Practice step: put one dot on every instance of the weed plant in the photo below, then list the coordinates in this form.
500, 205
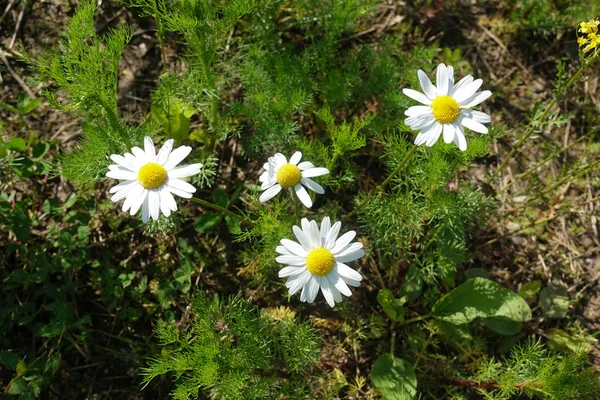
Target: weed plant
85, 284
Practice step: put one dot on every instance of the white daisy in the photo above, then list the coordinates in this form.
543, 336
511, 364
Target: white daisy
446, 108
318, 261
150, 178
279, 173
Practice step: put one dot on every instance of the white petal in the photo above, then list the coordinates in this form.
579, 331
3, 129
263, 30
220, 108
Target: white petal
441, 80
418, 96
305, 165
434, 134
283, 251
467, 91
179, 192
450, 74
123, 186
462, 83
164, 152
289, 271
448, 133
459, 138
332, 235
312, 172
149, 148
343, 241
426, 85
339, 284
165, 202
183, 172
279, 159
346, 272
145, 210
270, 193
132, 196
177, 156
154, 204
420, 139
312, 289
124, 162
122, 173
476, 99
424, 124
303, 237
137, 203
315, 235
312, 185
350, 255
181, 185
474, 125
291, 260
296, 282
325, 227
415, 111
480, 117
295, 158
140, 155
294, 247
121, 194
267, 184
337, 297
326, 289
303, 195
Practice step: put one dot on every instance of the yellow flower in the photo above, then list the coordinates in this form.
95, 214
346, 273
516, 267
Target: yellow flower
590, 38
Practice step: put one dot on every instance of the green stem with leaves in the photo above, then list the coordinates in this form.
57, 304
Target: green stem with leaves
220, 209
533, 125
385, 182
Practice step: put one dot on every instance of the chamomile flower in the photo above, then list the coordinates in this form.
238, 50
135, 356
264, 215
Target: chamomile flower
151, 179
446, 108
318, 261
279, 174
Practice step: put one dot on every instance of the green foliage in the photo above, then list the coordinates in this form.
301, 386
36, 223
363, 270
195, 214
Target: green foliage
530, 370
501, 309
86, 72
394, 378
232, 351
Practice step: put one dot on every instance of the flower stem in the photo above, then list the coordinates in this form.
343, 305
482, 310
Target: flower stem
385, 182
532, 126
416, 319
220, 209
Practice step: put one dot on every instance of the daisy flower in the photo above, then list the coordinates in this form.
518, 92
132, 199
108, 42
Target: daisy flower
279, 173
151, 179
446, 108
318, 261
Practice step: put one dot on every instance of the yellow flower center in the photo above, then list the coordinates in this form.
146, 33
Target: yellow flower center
288, 175
320, 261
152, 175
445, 109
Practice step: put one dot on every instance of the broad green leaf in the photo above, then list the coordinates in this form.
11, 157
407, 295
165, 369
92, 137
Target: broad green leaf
220, 197
503, 325
481, 298
562, 339
554, 301
40, 150
394, 378
412, 285
10, 359
17, 144
477, 273
207, 221
17, 385
530, 289
174, 118
392, 307
25, 104
455, 333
